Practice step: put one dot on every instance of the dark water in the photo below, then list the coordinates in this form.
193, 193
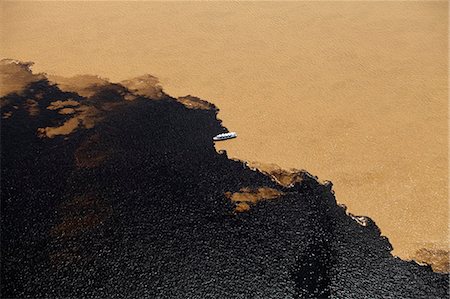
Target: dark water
135, 207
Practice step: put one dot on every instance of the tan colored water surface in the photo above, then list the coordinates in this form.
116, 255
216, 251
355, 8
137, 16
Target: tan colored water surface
353, 92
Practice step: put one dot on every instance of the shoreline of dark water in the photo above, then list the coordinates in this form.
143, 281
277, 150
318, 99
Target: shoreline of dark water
133, 203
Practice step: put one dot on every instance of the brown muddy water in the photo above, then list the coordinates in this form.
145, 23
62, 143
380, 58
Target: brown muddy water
353, 92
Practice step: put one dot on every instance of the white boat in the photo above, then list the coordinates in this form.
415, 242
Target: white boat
225, 136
